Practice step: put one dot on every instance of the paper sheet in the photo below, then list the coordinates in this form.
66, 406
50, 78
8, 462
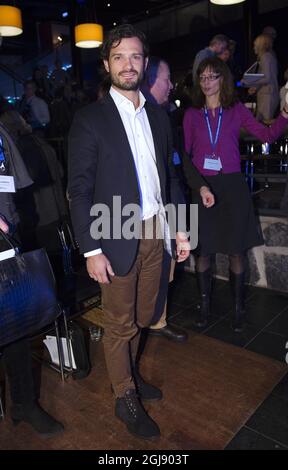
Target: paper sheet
51, 344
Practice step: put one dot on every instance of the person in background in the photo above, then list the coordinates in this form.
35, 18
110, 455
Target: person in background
45, 82
270, 31
34, 109
60, 115
217, 46
156, 88
228, 57
211, 130
59, 77
12, 120
17, 356
266, 87
284, 91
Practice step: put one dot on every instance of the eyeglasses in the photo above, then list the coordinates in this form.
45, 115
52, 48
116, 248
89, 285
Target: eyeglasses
210, 78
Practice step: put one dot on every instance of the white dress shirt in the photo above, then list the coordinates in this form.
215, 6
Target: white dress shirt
141, 142
39, 110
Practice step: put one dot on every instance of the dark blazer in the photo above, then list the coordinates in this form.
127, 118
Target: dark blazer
101, 165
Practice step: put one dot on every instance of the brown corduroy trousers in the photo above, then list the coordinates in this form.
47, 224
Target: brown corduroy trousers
128, 305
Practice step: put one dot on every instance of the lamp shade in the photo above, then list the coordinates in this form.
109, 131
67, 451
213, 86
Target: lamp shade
10, 21
226, 2
88, 35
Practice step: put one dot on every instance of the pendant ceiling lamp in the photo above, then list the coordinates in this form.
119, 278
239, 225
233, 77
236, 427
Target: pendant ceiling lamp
88, 35
226, 2
10, 21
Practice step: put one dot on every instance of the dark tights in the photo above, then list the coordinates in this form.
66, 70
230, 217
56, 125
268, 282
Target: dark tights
236, 263
18, 365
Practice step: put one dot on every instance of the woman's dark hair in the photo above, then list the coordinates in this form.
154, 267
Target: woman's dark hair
115, 36
227, 91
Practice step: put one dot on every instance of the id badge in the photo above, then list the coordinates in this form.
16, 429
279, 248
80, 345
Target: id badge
212, 163
7, 184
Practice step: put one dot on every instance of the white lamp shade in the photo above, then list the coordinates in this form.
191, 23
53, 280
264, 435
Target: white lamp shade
226, 2
88, 35
10, 21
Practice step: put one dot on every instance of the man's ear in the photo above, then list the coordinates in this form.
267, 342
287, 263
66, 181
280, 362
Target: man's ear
146, 63
106, 65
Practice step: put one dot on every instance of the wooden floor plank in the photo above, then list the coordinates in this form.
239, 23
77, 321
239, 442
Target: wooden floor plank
210, 389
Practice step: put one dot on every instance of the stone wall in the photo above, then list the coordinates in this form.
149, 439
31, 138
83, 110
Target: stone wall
267, 265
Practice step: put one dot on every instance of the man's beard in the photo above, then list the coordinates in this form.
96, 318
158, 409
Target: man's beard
129, 85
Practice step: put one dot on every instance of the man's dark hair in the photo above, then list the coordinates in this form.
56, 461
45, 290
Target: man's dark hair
227, 90
116, 35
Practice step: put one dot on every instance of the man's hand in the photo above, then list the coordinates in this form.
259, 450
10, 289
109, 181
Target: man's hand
182, 247
207, 197
99, 268
3, 226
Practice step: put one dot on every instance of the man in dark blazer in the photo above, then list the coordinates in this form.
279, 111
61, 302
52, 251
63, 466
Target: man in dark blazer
120, 149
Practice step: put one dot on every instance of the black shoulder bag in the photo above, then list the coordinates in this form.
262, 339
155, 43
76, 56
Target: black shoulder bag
28, 300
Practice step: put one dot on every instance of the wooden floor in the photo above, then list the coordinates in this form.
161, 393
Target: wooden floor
210, 390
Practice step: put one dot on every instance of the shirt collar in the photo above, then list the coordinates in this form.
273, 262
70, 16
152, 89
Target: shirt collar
122, 102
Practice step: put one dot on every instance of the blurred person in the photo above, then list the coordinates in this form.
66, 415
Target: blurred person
60, 115
217, 46
40, 77
270, 31
266, 87
59, 77
17, 356
12, 120
34, 109
225, 55
284, 91
46, 83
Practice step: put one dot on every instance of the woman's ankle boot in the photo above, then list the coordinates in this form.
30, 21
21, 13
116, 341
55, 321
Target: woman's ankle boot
239, 316
33, 414
204, 282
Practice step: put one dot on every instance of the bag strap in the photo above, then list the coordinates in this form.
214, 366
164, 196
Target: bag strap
10, 241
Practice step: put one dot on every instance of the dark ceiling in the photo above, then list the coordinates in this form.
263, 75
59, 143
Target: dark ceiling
79, 11
118, 11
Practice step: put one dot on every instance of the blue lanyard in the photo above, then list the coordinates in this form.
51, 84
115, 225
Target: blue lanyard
213, 142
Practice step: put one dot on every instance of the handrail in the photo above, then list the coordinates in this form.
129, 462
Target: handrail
12, 73
35, 60
261, 157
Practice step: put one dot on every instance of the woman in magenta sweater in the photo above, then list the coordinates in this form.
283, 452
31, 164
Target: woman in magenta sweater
211, 131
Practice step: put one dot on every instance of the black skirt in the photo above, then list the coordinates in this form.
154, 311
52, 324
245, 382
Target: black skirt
230, 226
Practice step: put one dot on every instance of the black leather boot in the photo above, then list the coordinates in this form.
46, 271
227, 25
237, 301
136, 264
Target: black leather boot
40, 421
204, 282
130, 411
145, 390
238, 284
